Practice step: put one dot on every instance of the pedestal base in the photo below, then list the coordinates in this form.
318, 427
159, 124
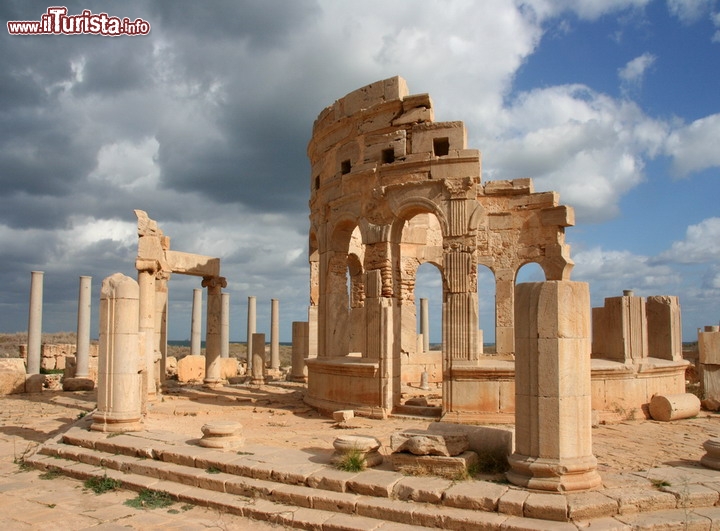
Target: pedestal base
556, 475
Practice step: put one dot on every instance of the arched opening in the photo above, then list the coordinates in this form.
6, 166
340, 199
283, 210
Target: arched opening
486, 310
421, 359
530, 272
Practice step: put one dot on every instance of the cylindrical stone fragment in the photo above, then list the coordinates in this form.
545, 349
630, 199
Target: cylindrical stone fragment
674, 407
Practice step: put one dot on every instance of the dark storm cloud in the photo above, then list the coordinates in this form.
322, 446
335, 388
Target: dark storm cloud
261, 24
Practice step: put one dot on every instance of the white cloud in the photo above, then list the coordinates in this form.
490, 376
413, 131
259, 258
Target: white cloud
632, 74
585, 9
716, 22
689, 11
701, 245
588, 146
695, 147
128, 165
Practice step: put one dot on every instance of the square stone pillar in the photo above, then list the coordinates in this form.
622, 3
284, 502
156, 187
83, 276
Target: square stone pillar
620, 329
709, 350
552, 381
664, 327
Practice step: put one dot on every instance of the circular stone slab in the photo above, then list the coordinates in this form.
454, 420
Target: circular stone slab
360, 443
221, 428
712, 458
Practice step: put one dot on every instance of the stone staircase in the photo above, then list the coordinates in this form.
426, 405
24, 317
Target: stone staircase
299, 489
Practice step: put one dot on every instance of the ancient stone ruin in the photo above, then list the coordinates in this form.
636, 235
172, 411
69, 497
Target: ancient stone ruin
392, 189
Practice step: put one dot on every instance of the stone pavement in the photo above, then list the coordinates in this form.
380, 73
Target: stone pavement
650, 472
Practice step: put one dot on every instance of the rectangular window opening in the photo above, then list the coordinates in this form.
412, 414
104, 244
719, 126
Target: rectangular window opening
441, 146
388, 156
345, 167
317, 182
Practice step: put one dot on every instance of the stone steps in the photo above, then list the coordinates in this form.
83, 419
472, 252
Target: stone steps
298, 489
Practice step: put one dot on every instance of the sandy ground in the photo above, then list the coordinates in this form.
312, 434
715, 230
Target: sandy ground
274, 415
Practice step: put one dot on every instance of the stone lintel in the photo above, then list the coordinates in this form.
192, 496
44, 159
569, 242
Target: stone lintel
193, 264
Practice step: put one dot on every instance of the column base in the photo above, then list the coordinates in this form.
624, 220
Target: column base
108, 424
213, 383
556, 475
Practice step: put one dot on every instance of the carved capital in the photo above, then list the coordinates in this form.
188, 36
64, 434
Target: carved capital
214, 282
145, 265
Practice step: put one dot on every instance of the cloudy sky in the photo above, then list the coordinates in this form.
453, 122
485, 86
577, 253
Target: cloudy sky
204, 122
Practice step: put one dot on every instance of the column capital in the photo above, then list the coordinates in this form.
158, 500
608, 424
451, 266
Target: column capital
145, 265
214, 282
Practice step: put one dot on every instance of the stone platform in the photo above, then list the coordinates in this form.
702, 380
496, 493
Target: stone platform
283, 473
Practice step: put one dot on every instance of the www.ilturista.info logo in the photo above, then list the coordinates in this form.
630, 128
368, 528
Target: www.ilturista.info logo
57, 22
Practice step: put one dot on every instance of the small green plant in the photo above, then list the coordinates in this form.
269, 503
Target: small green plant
19, 460
352, 461
51, 473
490, 463
187, 507
213, 470
81, 414
657, 483
103, 484
150, 499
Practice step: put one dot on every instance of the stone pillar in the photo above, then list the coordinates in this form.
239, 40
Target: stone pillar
119, 382
214, 287
620, 329
664, 327
258, 356
147, 270
160, 340
300, 331
425, 324
251, 329
35, 322
460, 309
312, 332
709, 351
196, 323
82, 356
505, 312
552, 388
225, 325
274, 334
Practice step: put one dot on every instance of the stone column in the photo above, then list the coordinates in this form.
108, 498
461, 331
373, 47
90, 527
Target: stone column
274, 334
119, 382
425, 324
196, 323
82, 356
258, 355
160, 339
300, 343
504, 312
35, 322
552, 388
251, 329
312, 332
213, 374
147, 269
225, 325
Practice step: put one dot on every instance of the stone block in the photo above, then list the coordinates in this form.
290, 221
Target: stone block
709, 347
191, 368
222, 435
447, 467
12, 376
419, 442
343, 415
228, 368
78, 384
34, 383
546, 507
365, 446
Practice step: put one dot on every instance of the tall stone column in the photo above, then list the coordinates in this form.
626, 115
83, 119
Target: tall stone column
147, 270
251, 329
160, 339
82, 356
119, 382
274, 334
425, 324
196, 323
225, 325
300, 343
214, 287
35, 322
552, 388
258, 355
